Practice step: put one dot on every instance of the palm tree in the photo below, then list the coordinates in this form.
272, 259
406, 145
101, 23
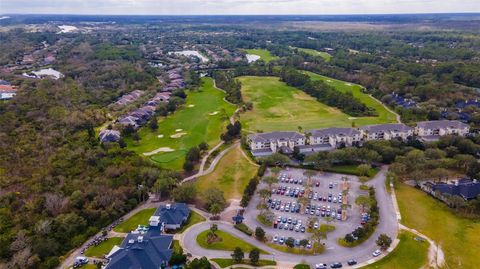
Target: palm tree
264, 194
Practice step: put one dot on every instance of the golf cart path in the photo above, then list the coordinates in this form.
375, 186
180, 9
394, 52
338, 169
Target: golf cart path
399, 120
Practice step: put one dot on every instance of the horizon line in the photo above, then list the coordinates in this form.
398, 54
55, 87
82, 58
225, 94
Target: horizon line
266, 14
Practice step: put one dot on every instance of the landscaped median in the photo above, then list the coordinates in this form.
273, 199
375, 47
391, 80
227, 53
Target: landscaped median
229, 262
315, 250
223, 241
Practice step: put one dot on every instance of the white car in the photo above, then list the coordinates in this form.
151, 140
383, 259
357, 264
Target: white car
275, 238
321, 266
376, 253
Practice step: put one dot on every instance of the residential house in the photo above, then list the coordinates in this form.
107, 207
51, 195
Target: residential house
142, 250
7, 91
264, 144
334, 137
171, 216
386, 131
432, 130
465, 188
107, 135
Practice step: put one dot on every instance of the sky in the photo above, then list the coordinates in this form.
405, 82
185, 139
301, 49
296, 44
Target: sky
236, 7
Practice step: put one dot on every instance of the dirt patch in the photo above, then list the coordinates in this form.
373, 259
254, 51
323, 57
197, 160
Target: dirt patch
164, 149
178, 135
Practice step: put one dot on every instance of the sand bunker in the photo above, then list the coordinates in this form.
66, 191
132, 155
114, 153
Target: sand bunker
178, 135
328, 80
160, 136
164, 149
352, 118
348, 84
191, 105
213, 113
178, 130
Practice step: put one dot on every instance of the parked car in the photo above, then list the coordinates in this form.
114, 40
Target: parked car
336, 265
275, 238
376, 253
320, 266
351, 262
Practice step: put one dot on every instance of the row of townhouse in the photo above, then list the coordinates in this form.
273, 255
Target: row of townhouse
264, 144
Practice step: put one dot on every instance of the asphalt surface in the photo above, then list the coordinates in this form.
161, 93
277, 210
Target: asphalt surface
333, 253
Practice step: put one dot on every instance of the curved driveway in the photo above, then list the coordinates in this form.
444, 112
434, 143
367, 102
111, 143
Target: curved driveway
333, 253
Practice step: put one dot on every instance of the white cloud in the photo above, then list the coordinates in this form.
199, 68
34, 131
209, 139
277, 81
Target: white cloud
187, 7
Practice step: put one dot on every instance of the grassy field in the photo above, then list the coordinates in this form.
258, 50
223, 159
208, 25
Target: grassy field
103, 248
313, 52
202, 118
458, 237
231, 175
140, 218
409, 253
277, 107
193, 219
228, 242
265, 55
384, 116
229, 262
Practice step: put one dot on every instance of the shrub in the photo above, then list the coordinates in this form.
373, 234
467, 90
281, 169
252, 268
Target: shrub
244, 229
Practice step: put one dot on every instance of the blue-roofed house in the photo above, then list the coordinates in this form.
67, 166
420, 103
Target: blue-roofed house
465, 188
172, 216
141, 251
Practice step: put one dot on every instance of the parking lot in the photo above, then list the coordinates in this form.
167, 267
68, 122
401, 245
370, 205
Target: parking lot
328, 198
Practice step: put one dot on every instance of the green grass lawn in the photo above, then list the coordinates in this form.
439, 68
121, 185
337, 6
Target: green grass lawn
140, 218
231, 175
265, 55
409, 253
193, 219
458, 237
277, 107
103, 248
202, 118
351, 170
298, 251
229, 262
228, 242
313, 52
384, 116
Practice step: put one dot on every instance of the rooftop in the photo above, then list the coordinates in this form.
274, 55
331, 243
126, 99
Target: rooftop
272, 136
436, 124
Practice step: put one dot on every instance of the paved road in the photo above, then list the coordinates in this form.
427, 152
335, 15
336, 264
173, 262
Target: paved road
333, 253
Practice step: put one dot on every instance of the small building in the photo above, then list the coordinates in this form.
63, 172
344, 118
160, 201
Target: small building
432, 130
171, 216
7, 91
334, 137
142, 250
264, 144
107, 135
386, 131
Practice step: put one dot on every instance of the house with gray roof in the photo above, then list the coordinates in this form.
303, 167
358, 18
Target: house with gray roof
264, 144
432, 130
386, 131
170, 216
107, 135
142, 250
334, 137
